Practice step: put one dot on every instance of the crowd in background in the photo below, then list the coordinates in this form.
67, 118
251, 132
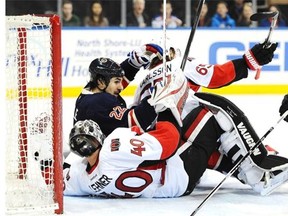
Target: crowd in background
148, 13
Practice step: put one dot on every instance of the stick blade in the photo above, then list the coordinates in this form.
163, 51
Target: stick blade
263, 15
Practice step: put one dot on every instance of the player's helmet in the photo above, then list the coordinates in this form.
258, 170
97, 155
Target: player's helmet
104, 68
85, 138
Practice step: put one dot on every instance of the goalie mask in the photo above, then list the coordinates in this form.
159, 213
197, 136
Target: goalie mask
85, 138
105, 69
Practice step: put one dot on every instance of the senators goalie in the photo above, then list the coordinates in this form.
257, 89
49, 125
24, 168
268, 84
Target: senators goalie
211, 120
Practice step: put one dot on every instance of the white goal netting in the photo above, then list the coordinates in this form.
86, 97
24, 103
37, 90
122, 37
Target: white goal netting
32, 152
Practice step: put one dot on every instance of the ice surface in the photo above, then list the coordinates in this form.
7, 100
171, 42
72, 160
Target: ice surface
231, 199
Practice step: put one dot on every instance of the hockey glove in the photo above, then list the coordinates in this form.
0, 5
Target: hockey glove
258, 55
284, 107
143, 55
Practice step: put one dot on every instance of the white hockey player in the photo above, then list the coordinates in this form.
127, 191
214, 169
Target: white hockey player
129, 163
212, 121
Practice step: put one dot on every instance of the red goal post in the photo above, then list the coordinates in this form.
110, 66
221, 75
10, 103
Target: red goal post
33, 175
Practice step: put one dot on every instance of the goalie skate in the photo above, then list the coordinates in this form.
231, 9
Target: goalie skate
171, 95
264, 170
272, 179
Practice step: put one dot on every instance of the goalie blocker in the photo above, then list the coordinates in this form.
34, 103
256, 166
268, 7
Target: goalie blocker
262, 171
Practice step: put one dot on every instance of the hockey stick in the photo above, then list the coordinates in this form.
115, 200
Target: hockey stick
265, 15
192, 33
164, 42
237, 165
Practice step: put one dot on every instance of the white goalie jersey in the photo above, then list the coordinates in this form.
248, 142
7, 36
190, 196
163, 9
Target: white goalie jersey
130, 165
198, 75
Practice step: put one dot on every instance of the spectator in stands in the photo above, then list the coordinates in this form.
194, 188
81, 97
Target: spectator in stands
204, 19
96, 17
236, 8
137, 17
68, 17
244, 18
280, 20
172, 21
221, 18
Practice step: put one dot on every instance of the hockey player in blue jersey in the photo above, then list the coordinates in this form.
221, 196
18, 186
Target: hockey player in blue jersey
100, 100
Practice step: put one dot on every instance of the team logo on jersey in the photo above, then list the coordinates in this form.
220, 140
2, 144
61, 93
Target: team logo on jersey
117, 112
115, 144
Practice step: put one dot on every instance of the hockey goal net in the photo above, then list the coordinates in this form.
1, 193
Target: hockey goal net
33, 115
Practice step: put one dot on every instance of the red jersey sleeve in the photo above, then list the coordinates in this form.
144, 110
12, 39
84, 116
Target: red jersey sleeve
168, 136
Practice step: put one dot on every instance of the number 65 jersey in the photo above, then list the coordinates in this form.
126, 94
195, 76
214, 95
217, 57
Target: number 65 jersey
131, 164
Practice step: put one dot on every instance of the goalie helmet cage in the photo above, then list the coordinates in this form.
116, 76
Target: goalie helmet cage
34, 177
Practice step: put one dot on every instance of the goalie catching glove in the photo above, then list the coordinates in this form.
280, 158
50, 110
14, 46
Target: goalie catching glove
171, 95
143, 55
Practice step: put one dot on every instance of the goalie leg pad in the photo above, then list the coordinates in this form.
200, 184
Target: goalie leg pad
224, 122
264, 178
222, 108
262, 171
270, 179
231, 145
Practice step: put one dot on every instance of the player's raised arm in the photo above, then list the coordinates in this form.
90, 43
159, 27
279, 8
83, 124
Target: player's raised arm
219, 75
136, 59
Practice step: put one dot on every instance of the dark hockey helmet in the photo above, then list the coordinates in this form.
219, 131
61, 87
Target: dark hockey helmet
85, 138
104, 68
